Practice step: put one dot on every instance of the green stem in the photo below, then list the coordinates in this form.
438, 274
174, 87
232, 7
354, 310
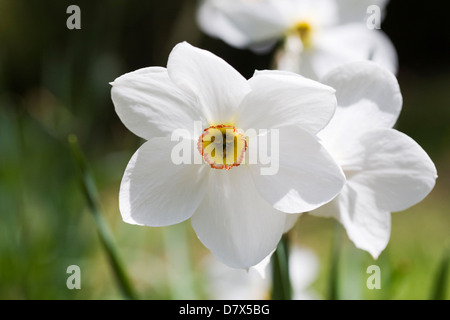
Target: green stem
333, 290
106, 238
441, 278
281, 282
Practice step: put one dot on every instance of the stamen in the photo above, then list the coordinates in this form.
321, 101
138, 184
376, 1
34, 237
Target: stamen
222, 146
304, 31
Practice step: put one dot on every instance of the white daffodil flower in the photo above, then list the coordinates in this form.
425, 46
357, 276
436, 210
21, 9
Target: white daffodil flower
316, 35
225, 283
386, 170
236, 210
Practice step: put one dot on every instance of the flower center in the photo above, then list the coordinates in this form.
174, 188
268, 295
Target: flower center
304, 31
222, 146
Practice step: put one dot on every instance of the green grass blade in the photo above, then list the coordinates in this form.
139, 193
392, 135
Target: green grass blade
439, 290
281, 283
90, 192
333, 283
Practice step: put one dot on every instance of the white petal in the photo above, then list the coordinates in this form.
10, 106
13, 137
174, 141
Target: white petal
263, 267
394, 173
241, 23
335, 46
281, 99
368, 98
150, 105
352, 42
291, 220
323, 13
356, 10
218, 87
234, 222
307, 177
398, 170
367, 226
156, 192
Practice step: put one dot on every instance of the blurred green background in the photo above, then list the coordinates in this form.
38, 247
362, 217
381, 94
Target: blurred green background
54, 82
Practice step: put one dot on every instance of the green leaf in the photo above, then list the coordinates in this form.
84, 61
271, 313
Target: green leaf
281, 282
91, 194
333, 287
439, 289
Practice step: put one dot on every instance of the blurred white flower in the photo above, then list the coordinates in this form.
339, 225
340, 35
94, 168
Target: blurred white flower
316, 35
224, 283
386, 170
236, 212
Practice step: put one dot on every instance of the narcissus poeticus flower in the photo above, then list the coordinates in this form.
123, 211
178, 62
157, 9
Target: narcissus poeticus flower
199, 107
386, 170
315, 35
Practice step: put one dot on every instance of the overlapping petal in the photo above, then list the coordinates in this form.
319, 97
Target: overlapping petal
291, 220
368, 97
234, 222
281, 99
392, 173
307, 177
398, 170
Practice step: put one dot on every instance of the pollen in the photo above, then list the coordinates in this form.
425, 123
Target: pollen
222, 146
